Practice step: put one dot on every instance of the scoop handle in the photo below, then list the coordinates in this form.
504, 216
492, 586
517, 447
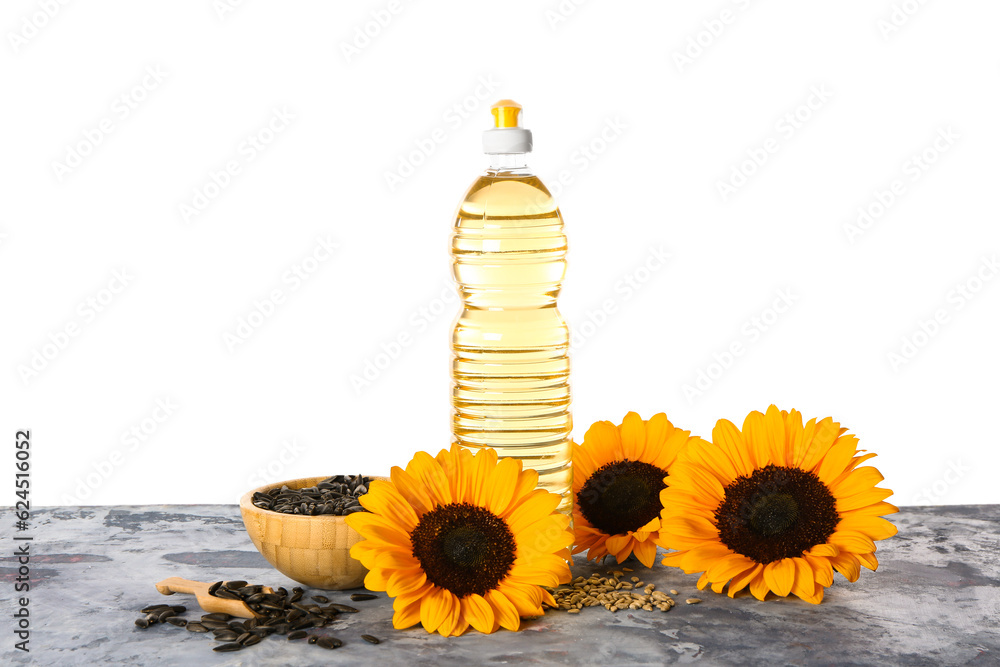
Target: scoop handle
178, 585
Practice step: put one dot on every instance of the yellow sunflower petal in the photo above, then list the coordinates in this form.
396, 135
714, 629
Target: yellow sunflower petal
743, 579
412, 596
453, 620
545, 536
804, 586
816, 597
506, 612
673, 559
396, 559
852, 541
728, 438
535, 575
435, 607
410, 489
725, 568
537, 505
702, 556
755, 437
829, 550
483, 464
780, 576
685, 531
617, 544
427, 471
526, 599
874, 527
863, 499
858, 481
848, 565
605, 436
817, 439
527, 480
658, 429
837, 459
714, 460
502, 485
822, 570
875, 509
406, 617
376, 580
478, 612
868, 560
633, 437
699, 482
645, 552
793, 437
774, 434
402, 582
675, 445
583, 466
383, 498
759, 587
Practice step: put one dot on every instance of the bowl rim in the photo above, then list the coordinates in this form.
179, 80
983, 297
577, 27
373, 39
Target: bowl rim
246, 500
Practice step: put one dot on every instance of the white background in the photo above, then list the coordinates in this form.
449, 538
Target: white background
641, 124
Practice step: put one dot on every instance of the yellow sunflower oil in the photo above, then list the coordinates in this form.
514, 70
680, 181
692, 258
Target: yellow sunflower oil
510, 365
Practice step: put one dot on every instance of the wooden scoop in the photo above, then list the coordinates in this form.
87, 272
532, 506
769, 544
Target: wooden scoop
209, 603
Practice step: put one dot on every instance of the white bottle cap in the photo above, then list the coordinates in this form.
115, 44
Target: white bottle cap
507, 135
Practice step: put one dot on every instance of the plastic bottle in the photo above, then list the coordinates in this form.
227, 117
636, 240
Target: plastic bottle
511, 364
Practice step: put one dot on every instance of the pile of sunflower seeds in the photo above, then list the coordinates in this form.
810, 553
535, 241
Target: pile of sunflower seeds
281, 613
612, 592
337, 495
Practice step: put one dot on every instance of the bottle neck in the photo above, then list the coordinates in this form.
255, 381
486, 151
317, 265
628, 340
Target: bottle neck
508, 161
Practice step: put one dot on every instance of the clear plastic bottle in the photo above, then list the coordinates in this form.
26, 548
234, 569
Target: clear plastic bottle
510, 344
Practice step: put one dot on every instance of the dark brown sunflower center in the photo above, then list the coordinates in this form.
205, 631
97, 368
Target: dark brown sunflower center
464, 548
776, 513
622, 496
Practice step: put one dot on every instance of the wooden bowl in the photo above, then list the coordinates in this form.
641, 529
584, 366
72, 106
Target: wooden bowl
313, 550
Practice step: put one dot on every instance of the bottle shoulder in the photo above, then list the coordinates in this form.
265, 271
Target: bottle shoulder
508, 195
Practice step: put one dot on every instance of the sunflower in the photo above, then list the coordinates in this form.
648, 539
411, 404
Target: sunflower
775, 507
462, 540
618, 474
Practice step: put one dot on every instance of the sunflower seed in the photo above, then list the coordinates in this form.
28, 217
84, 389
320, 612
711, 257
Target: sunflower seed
329, 643
215, 625
370, 639
226, 648
693, 600
359, 597
165, 614
235, 585
214, 587
142, 622
242, 638
334, 495
674, 592
322, 598
344, 608
179, 622
216, 616
253, 639
196, 627
154, 607
298, 634
226, 636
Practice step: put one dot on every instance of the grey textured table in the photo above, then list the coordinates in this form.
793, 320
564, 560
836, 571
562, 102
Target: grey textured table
934, 601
